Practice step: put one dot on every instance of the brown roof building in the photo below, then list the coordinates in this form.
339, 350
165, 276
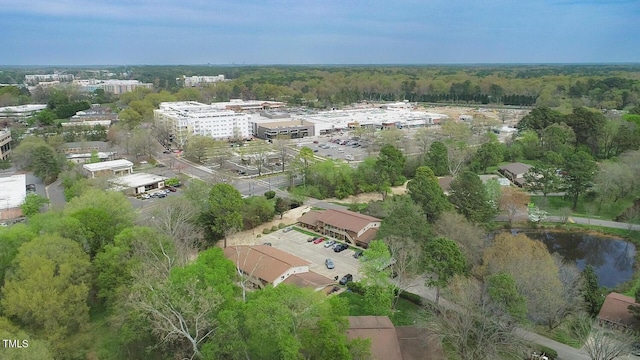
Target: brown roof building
515, 172
264, 265
345, 225
615, 311
394, 343
445, 183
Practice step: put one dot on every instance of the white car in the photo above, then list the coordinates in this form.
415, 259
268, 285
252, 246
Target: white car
329, 243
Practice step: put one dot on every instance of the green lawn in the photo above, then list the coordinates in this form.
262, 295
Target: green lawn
587, 209
406, 313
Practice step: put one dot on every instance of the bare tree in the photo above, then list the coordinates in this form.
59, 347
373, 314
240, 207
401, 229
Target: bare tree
457, 156
607, 343
282, 144
177, 221
513, 200
470, 238
407, 255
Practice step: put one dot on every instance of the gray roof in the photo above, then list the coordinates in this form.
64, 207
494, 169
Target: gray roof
516, 168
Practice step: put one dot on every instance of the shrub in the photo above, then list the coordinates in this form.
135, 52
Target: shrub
258, 236
281, 225
266, 231
414, 298
270, 194
356, 287
274, 228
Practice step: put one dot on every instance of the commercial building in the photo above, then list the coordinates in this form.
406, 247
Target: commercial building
250, 105
13, 191
192, 81
83, 158
116, 87
38, 78
187, 118
5, 144
21, 112
92, 117
293, 129
353, 227
109, 168
135, 184
264, 265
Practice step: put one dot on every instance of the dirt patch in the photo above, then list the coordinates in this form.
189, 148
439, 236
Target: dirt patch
368, 197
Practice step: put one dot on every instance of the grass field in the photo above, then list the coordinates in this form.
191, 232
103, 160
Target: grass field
406, 312
588, 209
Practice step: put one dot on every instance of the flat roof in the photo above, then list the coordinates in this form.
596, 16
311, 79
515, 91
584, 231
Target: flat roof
13, 190
108, 165
136, 180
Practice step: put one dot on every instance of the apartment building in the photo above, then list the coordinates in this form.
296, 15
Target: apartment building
192, 81
187, 118
5, 144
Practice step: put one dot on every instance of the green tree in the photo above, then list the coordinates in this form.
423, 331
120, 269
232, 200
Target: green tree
94, 157
11, 238
376, 270
102, 215
48, 290
539, 118
390, 164
437, 159
306, 156
588, 126
36, 349
225, 210
489, 154
543, 178
198, 148
581, 169
404, 218
32, 204
593, 295
442, 260
505, 297
558, 138
425, 191
469, 196
45, 163
281, 206
257, 208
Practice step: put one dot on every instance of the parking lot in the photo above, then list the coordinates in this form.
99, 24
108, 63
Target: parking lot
332, 150
295, 242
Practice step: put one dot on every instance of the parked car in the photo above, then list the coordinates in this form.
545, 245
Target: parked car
329, 243
345, 279
162, 195
340, 248
172, 189
267, 243
31, 187
311, 239
318, 241
358, 253
287, 229
329, 264
166, 152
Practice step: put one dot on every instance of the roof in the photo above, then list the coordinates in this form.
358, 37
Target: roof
309, 279
136, 180
384, 340
310, 217
418, 343
368, 235
13, 190
108, 165
286, 124
262, 261
86, 145
345, 219
615, 309
516, 168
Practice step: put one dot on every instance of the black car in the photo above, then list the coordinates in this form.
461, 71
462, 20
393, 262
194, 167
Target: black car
340, 248
345, 279
358, 253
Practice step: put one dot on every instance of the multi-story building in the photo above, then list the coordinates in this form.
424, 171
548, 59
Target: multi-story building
180, 120
20, 112
191, 81
5, 144
122, 86
38, 78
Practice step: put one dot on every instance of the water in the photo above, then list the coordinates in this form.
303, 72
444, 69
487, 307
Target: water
611, 258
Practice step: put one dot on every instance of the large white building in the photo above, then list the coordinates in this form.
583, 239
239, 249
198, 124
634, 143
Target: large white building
187, 118
21, 112
116, 87
13, 191
38, 78
191, 81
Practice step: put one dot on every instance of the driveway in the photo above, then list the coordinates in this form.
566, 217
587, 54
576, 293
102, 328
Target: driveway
295, 243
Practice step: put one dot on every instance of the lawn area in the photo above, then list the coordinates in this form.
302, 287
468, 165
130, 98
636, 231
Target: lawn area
586, 209
406, 313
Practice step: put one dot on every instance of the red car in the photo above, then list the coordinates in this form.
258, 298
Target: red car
318, 240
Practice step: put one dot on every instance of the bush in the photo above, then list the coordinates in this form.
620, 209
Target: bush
270, 194
258, 236
356, 287
281, 225
274, 228
540, 349
266, 231
414, 298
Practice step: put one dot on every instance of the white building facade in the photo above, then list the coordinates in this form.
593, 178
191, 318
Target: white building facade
187, 118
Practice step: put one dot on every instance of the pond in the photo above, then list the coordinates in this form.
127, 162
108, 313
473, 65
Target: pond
612, 258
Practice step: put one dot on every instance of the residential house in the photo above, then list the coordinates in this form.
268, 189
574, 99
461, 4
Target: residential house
445, 183
397, 343
515, 172
349, 226
264, 265
615, 311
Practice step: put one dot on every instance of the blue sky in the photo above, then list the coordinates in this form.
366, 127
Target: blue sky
87, 32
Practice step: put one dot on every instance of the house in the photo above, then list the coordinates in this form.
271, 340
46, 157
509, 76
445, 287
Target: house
615, 311
109, 168
515, 172
445, 183
265, 265
390, 342
349, 226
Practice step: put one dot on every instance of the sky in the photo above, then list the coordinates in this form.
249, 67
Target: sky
222, 32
